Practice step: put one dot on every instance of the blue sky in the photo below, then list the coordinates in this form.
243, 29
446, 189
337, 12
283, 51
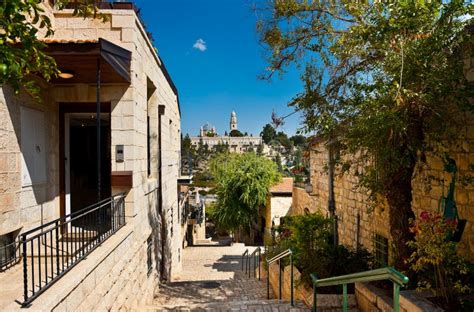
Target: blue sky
220, 73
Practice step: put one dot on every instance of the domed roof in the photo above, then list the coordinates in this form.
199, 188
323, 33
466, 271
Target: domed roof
207, 126
233, 114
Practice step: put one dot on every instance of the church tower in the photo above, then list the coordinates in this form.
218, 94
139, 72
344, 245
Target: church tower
233, 121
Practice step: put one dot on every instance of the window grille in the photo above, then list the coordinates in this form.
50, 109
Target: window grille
380, 250
9, 251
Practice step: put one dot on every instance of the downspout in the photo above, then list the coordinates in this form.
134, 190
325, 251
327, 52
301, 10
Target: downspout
163, 273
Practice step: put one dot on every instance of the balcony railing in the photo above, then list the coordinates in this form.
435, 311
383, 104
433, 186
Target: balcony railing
52, 249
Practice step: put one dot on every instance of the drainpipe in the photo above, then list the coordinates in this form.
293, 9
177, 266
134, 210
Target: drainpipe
163, 273
99, 173
331, 201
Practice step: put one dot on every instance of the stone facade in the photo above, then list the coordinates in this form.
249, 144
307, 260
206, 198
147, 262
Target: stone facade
235, 144
115, 275
358, 221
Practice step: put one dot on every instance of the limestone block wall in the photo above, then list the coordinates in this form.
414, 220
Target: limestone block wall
301, 201
358, 220
24, 207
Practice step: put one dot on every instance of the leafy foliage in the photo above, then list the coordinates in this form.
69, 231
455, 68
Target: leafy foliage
383, 78
434, 259
236, 133
310, 239
22, 56
242, 184
268, 133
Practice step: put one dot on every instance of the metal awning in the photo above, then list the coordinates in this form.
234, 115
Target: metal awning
80, 57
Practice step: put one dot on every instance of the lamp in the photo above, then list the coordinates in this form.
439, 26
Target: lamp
66, 74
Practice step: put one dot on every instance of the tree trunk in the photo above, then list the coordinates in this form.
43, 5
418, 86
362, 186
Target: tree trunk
399, 199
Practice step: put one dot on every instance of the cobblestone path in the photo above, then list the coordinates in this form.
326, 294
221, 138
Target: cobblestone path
212, 280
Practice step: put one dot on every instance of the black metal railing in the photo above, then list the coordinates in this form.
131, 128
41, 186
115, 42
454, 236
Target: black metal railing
245, 256
248, 259
52, 249
196, 213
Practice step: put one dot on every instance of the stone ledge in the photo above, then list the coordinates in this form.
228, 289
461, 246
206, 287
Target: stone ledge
371, 298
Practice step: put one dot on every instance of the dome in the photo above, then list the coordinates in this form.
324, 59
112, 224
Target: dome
207, 126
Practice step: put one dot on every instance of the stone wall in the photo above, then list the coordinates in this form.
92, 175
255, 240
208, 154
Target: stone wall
373, 299
358, 220
302, 201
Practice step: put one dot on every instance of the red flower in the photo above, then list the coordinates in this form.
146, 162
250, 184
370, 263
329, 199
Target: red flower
425, 215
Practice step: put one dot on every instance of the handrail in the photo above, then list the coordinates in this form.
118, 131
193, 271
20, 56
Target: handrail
278, 258
280, 255
387, 273
246, 252
256, 260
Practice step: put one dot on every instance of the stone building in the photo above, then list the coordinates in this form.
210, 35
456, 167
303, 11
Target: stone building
82, 227
278, 203
359, 223
236, 144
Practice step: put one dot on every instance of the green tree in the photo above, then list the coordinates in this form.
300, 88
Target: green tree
298, 140
268, 133
236, 133
186, 146
384, 79
284, 140
242, 185
22, 54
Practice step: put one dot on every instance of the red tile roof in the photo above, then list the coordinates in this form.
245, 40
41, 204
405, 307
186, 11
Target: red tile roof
284, 187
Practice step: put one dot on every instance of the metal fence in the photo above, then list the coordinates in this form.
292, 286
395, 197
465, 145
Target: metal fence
52, 249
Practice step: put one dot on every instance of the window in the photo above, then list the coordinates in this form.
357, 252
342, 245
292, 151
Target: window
380, 250
148, 146
8, 250
32, 147
149, 254
151, 126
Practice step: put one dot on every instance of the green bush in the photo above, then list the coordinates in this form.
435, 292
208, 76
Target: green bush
310, 238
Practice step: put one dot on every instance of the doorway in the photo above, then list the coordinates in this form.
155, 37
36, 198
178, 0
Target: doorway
79, 154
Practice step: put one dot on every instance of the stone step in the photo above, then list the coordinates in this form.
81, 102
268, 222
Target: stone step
241, 305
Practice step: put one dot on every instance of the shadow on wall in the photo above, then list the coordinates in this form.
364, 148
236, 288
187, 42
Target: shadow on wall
161, 253
34, 126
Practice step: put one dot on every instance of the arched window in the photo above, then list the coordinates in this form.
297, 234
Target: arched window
306, 211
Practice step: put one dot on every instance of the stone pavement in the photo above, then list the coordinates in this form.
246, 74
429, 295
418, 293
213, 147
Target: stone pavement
212, 280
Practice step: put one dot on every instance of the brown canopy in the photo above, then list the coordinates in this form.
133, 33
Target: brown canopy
80, 57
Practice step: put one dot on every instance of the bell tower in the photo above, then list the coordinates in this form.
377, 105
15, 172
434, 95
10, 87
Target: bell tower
233, 121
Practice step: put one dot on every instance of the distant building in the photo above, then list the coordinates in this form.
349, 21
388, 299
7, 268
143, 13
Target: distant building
237, 144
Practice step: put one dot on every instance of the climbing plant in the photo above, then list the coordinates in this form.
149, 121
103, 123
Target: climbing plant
383, 78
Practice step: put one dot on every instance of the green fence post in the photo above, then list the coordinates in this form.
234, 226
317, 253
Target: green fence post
396, 297
291, 270
279, 277
344, 297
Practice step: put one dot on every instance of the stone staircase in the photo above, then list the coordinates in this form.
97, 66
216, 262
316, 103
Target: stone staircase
212, 280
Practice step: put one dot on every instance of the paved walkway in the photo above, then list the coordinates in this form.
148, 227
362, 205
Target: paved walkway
212, 280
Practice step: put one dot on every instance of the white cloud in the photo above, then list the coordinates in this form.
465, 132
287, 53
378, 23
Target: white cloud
200, 45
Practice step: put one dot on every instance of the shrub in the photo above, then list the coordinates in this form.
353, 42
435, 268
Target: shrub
434, 260
310, 238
